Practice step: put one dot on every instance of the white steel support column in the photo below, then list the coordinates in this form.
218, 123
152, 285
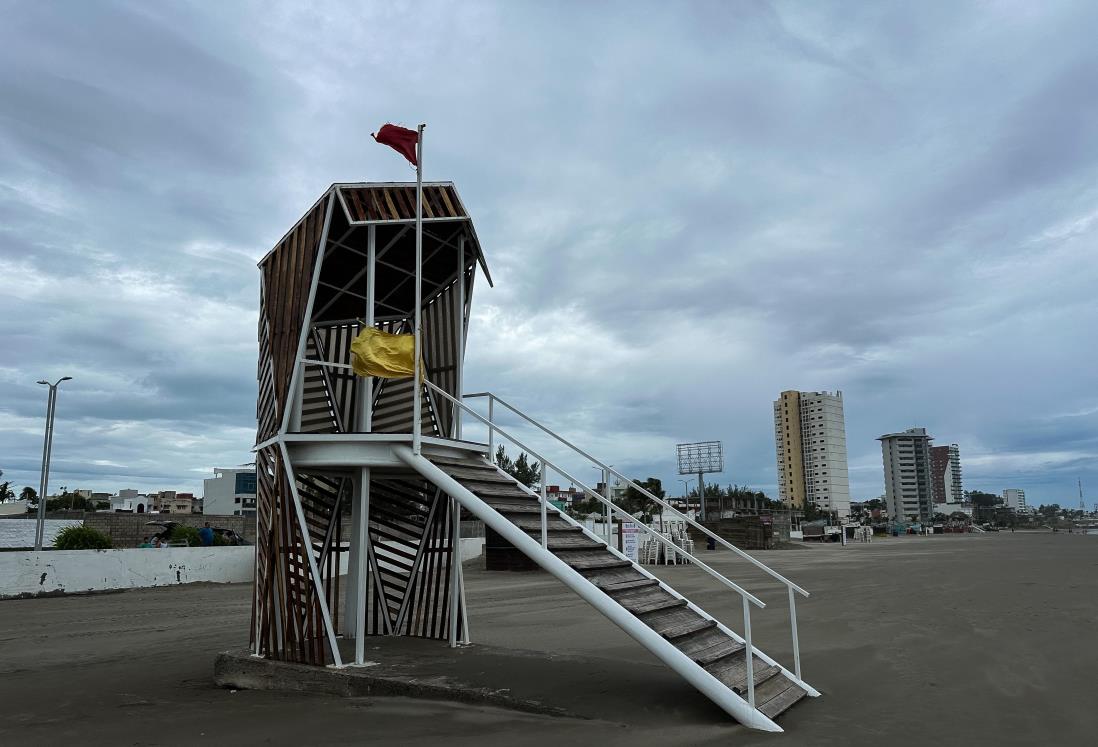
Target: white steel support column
354, 614
459, 336
456, 595
352, 600
367, 408
362, 534
417, 377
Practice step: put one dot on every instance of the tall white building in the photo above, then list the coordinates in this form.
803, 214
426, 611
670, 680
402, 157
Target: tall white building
230, 492
810, 442
1014, 498
907, 474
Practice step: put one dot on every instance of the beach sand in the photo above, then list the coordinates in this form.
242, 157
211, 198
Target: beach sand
975, 639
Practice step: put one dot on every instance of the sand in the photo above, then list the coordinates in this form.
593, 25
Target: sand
979, 639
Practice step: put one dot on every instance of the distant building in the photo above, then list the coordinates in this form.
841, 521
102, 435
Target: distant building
945, 474
171, 502
810, 443
132, 501
230, 492
907, 474
1015, 498
555, 493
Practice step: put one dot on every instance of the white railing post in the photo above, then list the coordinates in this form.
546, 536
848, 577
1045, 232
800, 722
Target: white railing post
750, 653
609, 523
491, 430
544, 511
796, 641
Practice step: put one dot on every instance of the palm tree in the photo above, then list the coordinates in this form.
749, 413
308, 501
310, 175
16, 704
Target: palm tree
29, 494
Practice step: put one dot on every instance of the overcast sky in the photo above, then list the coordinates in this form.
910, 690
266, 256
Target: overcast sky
686, 207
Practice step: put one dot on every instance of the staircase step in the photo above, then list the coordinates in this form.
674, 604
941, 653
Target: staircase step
487, 474
595, 561
640, 604
639, 583
725, 649
761, 676
767, 690
467, 462
603, 576
691, 626
485, 489
568, 541
732, 669
554, 523
516, 508
782, 702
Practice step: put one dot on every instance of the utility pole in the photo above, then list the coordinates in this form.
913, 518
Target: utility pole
47, 449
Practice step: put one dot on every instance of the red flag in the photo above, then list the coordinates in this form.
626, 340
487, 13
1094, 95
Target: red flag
400, 139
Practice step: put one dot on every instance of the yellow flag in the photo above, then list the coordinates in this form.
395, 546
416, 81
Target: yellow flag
377, 353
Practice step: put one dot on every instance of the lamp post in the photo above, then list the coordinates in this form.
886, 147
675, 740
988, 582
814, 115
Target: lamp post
47, 448
686, 489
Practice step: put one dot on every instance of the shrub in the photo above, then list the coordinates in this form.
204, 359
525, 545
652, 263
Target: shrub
189, 535
81, 538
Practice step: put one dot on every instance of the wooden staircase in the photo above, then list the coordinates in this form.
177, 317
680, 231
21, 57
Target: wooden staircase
646, 598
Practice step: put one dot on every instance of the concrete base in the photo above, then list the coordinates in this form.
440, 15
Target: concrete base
528, 681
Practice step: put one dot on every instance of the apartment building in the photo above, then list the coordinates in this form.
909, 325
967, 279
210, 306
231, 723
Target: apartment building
907, 473
230, 492
1015, 498
810, 444
945, 474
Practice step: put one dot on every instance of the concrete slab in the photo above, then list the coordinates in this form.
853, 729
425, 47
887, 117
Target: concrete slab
528, 681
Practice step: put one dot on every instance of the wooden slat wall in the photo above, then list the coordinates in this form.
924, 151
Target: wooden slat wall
398, 202
407, 518
286, 604
287, 277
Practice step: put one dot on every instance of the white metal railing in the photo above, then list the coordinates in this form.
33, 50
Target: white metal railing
747, 597
791, 587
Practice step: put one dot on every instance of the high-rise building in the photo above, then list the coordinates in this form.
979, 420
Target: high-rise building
810, 441
907, 473
1014, 498
230, 492
945, 474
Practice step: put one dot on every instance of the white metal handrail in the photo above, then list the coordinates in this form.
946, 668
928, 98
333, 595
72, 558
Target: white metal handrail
747, 597
790, 586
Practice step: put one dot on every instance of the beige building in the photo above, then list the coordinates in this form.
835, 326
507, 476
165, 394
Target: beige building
810, 443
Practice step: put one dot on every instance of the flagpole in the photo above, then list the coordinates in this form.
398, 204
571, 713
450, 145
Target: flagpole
417, 401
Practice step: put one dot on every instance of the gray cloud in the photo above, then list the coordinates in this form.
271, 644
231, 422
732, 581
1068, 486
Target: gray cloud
687, 209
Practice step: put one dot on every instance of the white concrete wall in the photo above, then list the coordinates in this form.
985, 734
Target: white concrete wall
67, 571
471, 548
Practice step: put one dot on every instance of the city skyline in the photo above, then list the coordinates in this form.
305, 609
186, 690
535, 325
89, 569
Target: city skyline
762, 200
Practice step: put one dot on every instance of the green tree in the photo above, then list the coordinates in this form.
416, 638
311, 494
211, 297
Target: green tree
520, 469
29, 494
636, 502
983, 500
6, 493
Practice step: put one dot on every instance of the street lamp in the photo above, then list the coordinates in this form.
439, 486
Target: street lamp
47, 448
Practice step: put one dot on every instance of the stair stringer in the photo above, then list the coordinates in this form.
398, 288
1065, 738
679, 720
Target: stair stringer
809, 690
661, 648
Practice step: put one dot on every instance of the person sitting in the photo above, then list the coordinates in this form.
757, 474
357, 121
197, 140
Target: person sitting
206, 535
145, 543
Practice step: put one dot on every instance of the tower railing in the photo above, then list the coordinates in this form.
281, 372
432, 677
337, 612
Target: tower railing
612, 508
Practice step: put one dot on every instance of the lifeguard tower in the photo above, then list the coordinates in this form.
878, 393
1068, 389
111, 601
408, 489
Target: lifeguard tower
333, 447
